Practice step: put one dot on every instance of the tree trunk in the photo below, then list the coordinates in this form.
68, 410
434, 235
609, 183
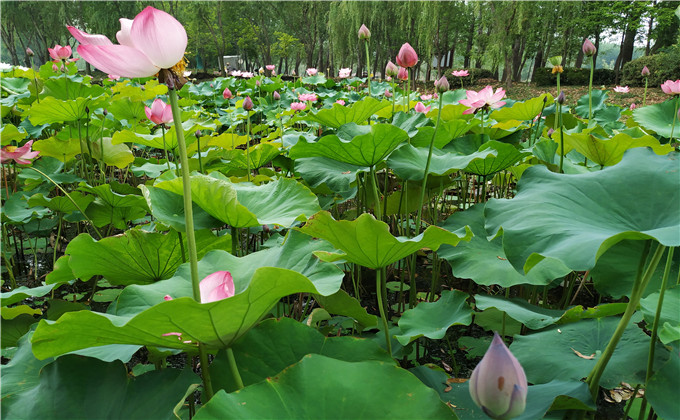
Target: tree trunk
468, 46
597, 47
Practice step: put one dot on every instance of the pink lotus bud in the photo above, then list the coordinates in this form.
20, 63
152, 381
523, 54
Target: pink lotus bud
247, 103
588, 48
364, 33
217, 286
422, 108
633, 106
55, 68
388, 94
270, 67
167, 297
407, 56
276, 95
670, 87
561, 98
212, 86
340, 101
227, 94
258, 83
498, 384
550, 131
402, 74
391, 69
442, 85
29, 52
645, 71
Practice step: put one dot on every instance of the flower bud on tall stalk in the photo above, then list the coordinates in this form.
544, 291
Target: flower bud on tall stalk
645, 74
589, 50
365, 35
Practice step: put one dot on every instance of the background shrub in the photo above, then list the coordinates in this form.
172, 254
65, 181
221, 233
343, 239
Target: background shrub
475, 74
573, 76
662, 66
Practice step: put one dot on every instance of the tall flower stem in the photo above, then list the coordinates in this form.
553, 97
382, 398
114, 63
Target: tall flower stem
165, 148
641, 282
374, 191
408, 89
248, 147
590, 90
675, 117
368, 69
234, 368
644, 96
379, 282
559, 122
427, 167
189, 222
394, 96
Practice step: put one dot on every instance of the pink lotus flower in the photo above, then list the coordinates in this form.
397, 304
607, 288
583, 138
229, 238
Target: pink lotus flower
60, 53
460, 73
22, 155
622, 89
227, 94
485, 98
588, 48
344, 73
407, 56
670, 87
402, 74
364, 33
152, 41
422, 108
633, 106
247, 103
388, 94
236, 73
307, 97
159, 113
645, 71
340, 101
55, 68
391, 70
247, 74
298, 106
425, 97
167, 298
498, 384
270, 67
113, 77
217, 286
312, 71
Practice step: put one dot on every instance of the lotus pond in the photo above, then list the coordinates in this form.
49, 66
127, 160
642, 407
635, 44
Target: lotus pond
320, 247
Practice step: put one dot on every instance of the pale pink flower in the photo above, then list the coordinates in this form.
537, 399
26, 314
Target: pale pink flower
426, 97
152, 41
236, 73
113, 77
402, 74
621, 89
159, 113
340, 101
422, 108
167, 298
460, 73
312, 71
217, 286
60, 53
298, 106
407, 56
670, 87
633, 106
364, 33
270, 67
22, 155
247, 74
226, 94
344, 73
391, 70
484, 98
388, 94
307, 97
55, 68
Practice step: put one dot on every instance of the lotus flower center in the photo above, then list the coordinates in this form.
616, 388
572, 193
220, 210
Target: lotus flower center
11, 149
179, 68
501, 381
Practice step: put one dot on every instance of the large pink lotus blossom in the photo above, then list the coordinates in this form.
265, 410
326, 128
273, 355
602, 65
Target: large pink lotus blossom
22, 155
236, 73
344, 73
387, 93
270, 67
312, 71
217, 286
159, 113
298, 106
621, 89
422, 108
59, 53
152, 41
670, 87
460, 73
498, 384
247, 74
307, 97
485, 98
426, 97
407, 56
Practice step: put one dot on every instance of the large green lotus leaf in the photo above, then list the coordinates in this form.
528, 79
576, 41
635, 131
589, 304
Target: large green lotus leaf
115, 204
338, 115
70, 88
168, 208
506, 155
125, 109
657, 117
13, 329
484, 260
21, 373
9, 133
552, 353
150, 90
371, 146
338, 176
217, 324
534, 317
432, 319
23, 292
73, 387
260, 155
51, 110
136, 256
368, 390
281, 202
115, 194
340, 303
447, 131
118, 155
411, 123
662, 388
156, 139
64, 150
669, 309
614, 272
226, 141
274, 345
541, 398
576, 218
599, 99
62, 204
409, 162
610, 151
368, 242
523, 111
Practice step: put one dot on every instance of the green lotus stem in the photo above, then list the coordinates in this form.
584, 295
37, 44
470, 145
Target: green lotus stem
394, 96
233, 367
56, 240
641, 282
379, 284
368, 68
482, 121
248, 147
376, 195
644, 95
559, 118
165, 149
655, 324
675, 117
558, 83
408, 89
427, 168
590, 90
200, 162
189, 222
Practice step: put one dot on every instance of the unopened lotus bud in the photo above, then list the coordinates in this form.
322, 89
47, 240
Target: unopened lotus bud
248, 103
588, 48
105, 112
87, 110
167, 298
276, 95
555, 60
407, 56
29, 52
391, 70
227, 94
403, 74
561, 98
198, 134
441, 85
364, 33
550, 132
645, 71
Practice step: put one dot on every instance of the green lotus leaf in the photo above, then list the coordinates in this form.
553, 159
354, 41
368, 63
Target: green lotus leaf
608, 152
368, 390
359, 112
657, 117
118, 155
369, 146
150, 90
9, 133
411, 123
23, 292
136, 256
569, 217
599, 101
70, 88
506, 155
661, 388
280, 202
62, 204
368, 242
125, 109
64, 150
338, 176
260, 155
226, 141
340, 303
52, 110
523, 111
534, 317
75, 387
669, 310
168, 208
432, 319
274, 345
448, 130
409, 162
571, 351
